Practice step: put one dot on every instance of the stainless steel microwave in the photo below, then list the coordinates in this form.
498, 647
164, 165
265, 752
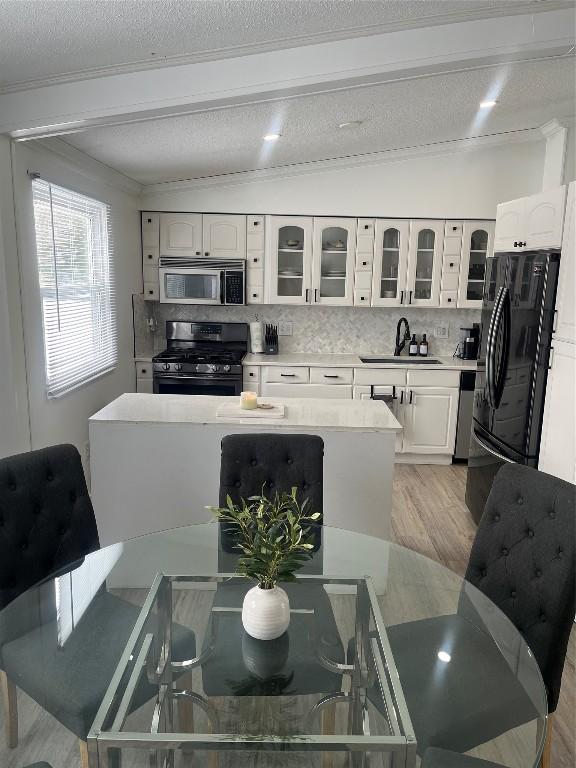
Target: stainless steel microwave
201, 281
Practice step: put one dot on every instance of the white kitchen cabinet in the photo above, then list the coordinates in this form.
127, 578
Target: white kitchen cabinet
150, 252
565, 325
425, 263
223, 236
531, 222
144, 376
394, 398
319, 391
333, 261
558, 444
429, 419
255, 257
477, 245
289, 259
390, 262
364, 263
181, 234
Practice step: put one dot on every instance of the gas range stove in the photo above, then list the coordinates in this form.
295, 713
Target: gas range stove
186, 361
201, 358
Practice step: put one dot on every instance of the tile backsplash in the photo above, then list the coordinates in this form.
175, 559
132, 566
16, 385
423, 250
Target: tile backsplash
369, 330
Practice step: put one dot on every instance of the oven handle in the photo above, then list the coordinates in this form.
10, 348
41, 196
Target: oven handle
199, 377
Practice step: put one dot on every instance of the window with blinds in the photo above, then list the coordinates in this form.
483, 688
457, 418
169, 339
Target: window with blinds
75, 266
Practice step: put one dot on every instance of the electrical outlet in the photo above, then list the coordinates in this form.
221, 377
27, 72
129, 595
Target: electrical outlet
441, 332
285, 328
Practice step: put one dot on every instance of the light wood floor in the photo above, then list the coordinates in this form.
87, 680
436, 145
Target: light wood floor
430, 517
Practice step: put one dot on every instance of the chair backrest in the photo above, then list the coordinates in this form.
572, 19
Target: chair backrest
524, 559
270, 463
46, 517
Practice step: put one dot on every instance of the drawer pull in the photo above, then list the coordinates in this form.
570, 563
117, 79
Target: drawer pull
331, 376
288, 375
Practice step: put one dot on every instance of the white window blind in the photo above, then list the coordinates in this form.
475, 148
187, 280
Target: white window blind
75, 265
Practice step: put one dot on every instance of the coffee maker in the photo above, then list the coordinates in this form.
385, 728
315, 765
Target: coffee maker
467, 348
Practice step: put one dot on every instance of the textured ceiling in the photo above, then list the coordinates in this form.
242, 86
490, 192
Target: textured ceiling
396, 115
46, 38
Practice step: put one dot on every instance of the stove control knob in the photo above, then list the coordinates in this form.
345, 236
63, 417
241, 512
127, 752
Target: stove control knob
166, 366
178, 367
213, 367
226, 368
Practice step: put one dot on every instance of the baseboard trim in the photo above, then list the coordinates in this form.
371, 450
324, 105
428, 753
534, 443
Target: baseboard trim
422, 458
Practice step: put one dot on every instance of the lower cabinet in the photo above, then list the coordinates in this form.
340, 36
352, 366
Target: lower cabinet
429, 419
322, 391
144, 381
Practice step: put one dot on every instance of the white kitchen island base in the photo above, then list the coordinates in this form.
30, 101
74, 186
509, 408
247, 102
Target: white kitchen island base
155, 460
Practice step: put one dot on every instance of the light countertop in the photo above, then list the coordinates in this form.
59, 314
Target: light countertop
353, 361
302, 413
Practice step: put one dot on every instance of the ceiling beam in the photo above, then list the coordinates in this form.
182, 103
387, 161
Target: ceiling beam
68, 107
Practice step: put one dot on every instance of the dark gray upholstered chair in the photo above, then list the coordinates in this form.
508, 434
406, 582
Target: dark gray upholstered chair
250, 463
47, 526
441, 758
523, 560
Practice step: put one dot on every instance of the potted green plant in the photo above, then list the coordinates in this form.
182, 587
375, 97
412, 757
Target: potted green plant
273, 537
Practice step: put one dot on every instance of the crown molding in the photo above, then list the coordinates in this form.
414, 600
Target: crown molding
83, 163
296, 41
556, 125
352, 161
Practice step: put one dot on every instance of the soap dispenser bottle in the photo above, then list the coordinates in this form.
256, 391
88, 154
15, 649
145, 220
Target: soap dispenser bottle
424, 346
413, 350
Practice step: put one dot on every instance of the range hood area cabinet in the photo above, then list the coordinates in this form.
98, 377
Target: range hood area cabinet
333, 261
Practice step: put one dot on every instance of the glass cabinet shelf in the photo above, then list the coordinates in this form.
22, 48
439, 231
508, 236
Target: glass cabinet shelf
290, 250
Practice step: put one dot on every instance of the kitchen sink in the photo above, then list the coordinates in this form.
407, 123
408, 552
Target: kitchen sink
402, 360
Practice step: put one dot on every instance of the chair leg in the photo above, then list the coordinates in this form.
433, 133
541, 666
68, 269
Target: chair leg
328, 728
84, 761
10, 702
546, 761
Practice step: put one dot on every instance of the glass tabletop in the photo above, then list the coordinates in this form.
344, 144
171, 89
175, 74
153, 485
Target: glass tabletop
386, 654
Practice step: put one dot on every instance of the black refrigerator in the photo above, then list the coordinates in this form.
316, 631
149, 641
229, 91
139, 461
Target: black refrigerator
513, 359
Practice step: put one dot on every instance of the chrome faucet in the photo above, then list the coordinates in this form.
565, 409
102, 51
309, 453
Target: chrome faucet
401, 344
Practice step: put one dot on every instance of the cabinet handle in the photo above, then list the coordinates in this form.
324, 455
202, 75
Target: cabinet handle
409, 297
256, 223
449, 301
523, 244
451, 263
366, 226
307, 295
411, 394
254, 295
206, 253
401, 297
401, 397
197, 253
149, 221
250, 374
316, 295
364, 263
331, 376
288, 375
255, 260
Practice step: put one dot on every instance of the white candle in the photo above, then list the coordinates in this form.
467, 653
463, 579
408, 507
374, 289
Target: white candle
248, 400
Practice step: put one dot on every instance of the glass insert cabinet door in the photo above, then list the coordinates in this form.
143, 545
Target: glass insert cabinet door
334, 256
290, 254
390, 263
425, 263
477, 245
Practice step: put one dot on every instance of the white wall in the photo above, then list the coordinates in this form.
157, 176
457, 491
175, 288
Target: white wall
570, 157
462, 184
14, 426
65, 419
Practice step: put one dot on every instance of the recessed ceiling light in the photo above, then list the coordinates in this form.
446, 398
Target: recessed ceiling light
487, 104
272, 136
445, 657
351, 124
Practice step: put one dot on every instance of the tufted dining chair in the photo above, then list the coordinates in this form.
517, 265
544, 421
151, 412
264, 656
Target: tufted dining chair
269, 463
47, 527
523, 560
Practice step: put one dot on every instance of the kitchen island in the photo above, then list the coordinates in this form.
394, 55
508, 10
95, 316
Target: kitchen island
155, 460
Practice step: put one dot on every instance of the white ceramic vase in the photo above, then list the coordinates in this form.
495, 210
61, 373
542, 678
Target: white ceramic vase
266, 612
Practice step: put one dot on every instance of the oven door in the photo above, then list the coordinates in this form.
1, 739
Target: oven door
196, 385
183, 285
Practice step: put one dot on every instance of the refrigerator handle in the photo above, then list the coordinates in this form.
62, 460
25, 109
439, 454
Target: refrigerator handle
506, 322
490, 350
491, 450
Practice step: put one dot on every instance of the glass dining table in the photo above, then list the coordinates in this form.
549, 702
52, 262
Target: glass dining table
387, 654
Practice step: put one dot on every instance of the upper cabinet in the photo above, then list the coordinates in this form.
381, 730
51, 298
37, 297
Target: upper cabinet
477, 244
531, 222
333, 259
223, 236
289, 259
180, 234
218, 236
390, 262
425, 263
